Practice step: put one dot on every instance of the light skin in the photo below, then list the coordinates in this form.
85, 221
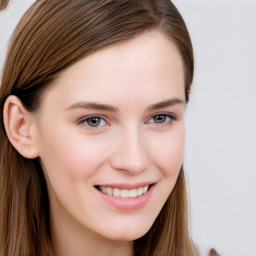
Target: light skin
113, 119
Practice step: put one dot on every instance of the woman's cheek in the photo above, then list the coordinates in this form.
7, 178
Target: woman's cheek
81, 156
168, 152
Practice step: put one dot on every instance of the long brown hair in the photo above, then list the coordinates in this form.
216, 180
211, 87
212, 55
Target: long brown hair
52, 35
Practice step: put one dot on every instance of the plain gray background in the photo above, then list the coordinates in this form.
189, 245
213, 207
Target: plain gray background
220, 155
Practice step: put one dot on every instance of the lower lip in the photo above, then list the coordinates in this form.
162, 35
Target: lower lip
128, 203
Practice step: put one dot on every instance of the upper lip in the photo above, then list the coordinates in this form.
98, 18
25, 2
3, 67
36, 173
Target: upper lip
125, 185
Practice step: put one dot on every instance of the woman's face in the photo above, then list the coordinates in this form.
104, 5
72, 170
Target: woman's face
110, 136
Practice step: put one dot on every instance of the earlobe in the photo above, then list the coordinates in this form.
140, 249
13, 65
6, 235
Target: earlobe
18, 123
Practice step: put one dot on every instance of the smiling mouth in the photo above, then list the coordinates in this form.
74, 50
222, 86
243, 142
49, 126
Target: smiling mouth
124, 193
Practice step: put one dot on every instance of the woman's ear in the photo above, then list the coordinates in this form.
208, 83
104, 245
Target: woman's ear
19, 126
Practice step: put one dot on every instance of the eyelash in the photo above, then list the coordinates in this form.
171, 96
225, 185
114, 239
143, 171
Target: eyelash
84, 121
169, 118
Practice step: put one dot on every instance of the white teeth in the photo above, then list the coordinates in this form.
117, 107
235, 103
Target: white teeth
104, 190
116, 192
145, 189
133, 193
109, 191
140, 191
124, 193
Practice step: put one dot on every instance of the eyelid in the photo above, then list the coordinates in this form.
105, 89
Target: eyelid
173, 117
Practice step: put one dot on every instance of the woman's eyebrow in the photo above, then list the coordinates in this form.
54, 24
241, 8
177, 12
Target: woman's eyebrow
110, 108
166, 103
93, 106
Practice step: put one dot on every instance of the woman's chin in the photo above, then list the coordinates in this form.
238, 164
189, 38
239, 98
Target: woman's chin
126, 235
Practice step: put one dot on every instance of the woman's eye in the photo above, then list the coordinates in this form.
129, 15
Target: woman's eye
159, 118
162, 119
93, 121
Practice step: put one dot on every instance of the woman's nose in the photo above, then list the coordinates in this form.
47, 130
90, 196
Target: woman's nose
130, 153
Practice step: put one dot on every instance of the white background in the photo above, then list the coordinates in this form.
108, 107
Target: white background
220, 156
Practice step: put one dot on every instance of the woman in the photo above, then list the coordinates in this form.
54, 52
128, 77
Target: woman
92, 137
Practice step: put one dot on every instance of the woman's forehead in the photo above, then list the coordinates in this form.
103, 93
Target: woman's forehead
146, 64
